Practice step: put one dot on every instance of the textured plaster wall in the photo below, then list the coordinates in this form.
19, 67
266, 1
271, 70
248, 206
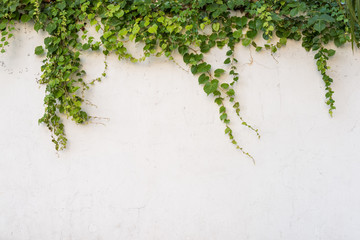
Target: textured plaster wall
161, 167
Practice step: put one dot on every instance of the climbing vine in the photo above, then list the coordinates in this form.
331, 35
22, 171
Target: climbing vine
168, 27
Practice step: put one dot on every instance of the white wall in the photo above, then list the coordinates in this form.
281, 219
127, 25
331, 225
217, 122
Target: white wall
161, 167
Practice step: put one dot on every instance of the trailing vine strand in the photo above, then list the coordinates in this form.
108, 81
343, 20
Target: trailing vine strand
190, 28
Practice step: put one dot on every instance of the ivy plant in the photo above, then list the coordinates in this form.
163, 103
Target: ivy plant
190, 28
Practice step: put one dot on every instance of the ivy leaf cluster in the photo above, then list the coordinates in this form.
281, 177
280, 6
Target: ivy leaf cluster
190, 28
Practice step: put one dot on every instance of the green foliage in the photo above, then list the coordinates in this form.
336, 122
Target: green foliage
353, 10
167, 27
39, 50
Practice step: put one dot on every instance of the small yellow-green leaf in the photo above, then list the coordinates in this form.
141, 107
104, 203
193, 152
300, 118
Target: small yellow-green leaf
216, 27
119, 14
153, 29
123, 32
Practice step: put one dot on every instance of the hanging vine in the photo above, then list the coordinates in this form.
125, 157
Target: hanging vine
168, 27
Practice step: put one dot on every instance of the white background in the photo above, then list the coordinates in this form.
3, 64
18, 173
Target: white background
161, 168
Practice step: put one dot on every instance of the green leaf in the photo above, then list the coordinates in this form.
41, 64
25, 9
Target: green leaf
86, 46
204, 48
317, 55
136, 29
327, 18
294, 12
222, 109
320, 26
213, 36
47, 41
93, 22
246, 42
312, 20
3, 24
61, 5
339, 41
171, 28
119, 14
97, 28
225, 86
203, 67
283, 41
161, 19
91, 16
189, 27
211, 87
194, 69
183, 49
331, 52
59, 93
216, 27
231, 92
25, 18
39, 50
273, 49
186, 58
242, 21
153, 29
203, 78
220, 44
218, 100
227, 61
251, 33
37, 26
107, 34
218, 72
50, 27
223, 116
72, 90
237, 34
227, 130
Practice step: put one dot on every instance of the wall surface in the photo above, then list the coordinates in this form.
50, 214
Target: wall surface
162, 168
